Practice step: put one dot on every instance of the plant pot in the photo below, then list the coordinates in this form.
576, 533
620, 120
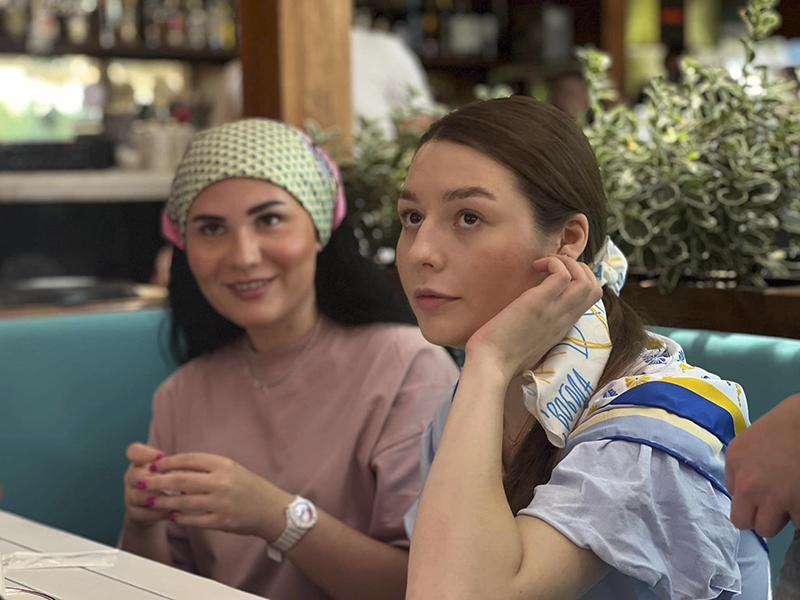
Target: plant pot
773, 311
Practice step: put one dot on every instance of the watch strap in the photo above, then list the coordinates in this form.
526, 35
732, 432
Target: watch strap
292, 534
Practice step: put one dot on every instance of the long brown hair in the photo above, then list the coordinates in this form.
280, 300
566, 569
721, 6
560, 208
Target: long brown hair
556, 169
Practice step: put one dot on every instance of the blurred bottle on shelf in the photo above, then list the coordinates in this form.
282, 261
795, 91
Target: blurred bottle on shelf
154, 23
465, 33
129, 22
430, 31
14, 18
416, 36
176, 36
196, 24
76, 16
110, 21
557, 32
221, 25
44, 27
490, 34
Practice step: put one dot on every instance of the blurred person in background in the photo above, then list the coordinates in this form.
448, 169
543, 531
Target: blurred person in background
385, 75
569, 93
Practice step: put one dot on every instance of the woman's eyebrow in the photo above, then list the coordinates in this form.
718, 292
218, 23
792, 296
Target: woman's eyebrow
208, 218
468, 192
264, 206
456, 194
408, 195
251, 211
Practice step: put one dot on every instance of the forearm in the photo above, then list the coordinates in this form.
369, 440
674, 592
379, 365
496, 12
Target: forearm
466, 542
349, 565
150, 542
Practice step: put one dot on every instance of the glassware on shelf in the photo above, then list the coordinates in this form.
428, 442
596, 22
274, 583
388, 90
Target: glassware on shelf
129, 22
222, 25
154, 23
196, 24
110, 21
76, 16
15, 18
45, 29
176, 36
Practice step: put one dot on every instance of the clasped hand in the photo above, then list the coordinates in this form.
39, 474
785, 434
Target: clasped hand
201, 490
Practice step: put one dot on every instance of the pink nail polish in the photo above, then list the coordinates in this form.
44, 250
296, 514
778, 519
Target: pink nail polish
172, 516
154, 468
151, 500
141, 485
159, 456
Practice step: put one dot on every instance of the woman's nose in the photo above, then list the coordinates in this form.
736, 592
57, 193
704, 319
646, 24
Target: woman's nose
426, 248
246, 251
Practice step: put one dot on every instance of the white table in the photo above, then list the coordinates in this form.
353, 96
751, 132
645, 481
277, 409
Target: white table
131, 577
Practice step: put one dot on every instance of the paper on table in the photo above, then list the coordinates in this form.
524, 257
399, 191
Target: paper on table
58, 560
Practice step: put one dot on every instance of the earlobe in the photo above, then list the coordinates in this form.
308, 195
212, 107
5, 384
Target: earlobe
574, 237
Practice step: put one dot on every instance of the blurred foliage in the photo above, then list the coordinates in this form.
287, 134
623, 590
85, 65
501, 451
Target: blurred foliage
373, 176
706, 178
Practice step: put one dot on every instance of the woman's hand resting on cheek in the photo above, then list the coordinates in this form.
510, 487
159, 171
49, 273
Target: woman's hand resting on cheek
214, 492
519, 336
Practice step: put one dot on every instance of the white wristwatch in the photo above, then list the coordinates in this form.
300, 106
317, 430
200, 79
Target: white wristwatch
301, 516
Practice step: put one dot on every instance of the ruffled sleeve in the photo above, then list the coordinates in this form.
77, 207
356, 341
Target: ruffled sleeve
646, 515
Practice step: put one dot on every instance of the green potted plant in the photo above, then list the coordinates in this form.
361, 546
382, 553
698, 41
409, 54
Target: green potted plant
707, 181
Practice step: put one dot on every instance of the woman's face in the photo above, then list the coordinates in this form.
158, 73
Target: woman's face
253, 250
468, 242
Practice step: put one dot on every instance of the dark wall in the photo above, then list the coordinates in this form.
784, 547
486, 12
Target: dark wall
114, 240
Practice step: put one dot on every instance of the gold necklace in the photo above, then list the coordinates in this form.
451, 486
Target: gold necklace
522, 430
265, 387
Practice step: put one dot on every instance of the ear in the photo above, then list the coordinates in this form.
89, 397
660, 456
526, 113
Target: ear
574, 236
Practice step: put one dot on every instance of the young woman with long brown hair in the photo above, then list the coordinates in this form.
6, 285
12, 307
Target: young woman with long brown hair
580, 456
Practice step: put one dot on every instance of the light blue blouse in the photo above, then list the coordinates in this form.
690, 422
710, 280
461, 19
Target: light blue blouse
661, 526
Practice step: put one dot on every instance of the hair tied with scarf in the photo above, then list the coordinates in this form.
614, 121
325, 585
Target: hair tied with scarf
557, 392
610, 266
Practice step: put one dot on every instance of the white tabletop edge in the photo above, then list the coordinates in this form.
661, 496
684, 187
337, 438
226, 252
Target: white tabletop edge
131, 578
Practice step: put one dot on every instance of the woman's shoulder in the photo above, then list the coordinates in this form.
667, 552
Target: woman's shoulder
681, 543
661, 377
671, 406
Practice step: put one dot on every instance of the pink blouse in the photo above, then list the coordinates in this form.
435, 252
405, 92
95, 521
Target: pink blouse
343, 430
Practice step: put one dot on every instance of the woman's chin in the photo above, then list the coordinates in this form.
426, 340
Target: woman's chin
442, 336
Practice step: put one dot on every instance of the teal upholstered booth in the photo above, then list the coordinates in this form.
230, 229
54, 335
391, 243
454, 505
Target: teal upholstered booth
76, 390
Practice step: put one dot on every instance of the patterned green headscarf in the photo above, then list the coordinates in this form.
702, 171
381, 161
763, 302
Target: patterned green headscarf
257, 149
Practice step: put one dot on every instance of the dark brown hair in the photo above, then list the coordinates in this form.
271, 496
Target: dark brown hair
556, 169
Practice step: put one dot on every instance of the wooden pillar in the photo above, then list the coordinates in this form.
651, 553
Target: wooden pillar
296, 60
614, 17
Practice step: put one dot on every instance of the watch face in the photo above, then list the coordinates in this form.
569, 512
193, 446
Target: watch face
303, 513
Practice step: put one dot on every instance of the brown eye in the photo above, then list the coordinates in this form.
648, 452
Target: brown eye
410, 218
270, 219
211, 229
468, 220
